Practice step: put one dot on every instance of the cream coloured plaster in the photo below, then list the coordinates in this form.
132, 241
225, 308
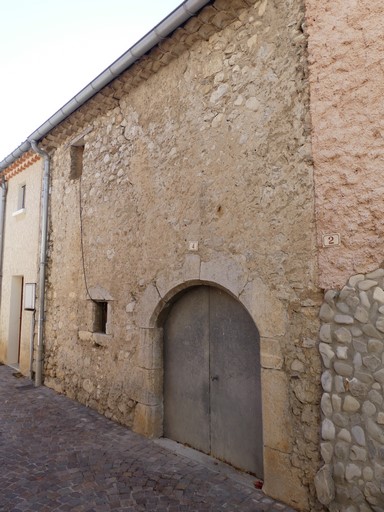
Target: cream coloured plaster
346, 78
21, 246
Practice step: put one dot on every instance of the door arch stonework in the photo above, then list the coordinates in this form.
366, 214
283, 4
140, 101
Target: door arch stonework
270, 317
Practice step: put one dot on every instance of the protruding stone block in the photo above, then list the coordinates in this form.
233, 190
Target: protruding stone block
328, 431
276, 411
325, 333
149, 303
149, 352
326, 381
351, 404
325, 488
281, 480
326, 313
327, 354
145, 386
326, 452
354, 280
270, 354
343, 335
378, 295
268, 312
352, 471
226, 272
326, 405
148, 420
366, 284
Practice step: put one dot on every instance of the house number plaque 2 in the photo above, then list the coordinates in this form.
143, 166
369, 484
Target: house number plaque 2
331, 240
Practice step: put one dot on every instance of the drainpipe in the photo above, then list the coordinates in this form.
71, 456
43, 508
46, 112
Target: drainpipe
43, 262
31, 343
4, 189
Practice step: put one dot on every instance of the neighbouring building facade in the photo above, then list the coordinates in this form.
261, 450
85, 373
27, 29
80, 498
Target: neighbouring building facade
21, 225
214, 254
346, 47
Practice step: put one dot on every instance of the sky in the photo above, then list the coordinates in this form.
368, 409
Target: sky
51, 49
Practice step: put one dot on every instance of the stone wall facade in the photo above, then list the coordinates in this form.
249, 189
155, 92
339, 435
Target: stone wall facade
210, 145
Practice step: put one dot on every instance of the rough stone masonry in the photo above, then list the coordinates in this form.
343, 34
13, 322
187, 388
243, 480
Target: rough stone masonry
207, 139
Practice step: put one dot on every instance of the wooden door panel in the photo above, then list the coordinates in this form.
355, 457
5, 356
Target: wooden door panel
236, 422
186, 371
212, 389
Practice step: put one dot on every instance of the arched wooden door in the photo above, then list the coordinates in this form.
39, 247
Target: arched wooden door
212, 392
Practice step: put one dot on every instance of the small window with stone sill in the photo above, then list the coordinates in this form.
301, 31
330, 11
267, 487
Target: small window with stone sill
77, 155
21, 198
98, 329
100, 318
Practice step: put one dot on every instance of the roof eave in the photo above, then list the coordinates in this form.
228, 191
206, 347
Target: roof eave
174, 20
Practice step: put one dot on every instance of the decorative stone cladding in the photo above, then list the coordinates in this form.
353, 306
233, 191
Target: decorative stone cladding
207, 139
352, 349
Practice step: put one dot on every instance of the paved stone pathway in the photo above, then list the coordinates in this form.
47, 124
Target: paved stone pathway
57, 455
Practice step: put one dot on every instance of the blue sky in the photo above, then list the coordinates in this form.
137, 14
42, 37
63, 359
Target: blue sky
51, 49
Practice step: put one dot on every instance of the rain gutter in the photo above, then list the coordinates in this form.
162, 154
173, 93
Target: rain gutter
179, 16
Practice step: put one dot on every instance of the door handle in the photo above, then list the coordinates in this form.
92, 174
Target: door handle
215, 377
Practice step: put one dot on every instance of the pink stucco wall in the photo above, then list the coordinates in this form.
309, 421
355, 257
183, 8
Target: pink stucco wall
346, 58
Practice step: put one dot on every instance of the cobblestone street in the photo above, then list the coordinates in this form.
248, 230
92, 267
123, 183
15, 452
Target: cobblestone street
57, 455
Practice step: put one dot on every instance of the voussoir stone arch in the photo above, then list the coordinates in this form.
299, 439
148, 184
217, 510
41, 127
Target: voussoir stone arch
222, 271
267, 311
269, 314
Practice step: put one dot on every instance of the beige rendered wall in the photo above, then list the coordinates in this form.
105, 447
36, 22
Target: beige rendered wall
21, 245
345, 54
213, 148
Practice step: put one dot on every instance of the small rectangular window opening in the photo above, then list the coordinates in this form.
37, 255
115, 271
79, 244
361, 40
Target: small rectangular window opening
77, 153
101, 317
21, 197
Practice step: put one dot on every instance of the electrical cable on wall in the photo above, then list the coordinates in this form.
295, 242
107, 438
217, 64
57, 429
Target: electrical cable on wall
82, 242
